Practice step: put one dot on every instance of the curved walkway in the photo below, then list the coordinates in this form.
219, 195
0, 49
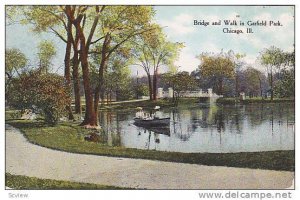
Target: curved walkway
24, 158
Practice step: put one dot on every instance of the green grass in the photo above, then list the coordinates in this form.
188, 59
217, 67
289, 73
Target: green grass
32, 183
231, 100
146, 104
70, 137
131, 105
12, 114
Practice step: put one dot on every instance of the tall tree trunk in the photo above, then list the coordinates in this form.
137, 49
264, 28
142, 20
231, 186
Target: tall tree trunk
67, 66
260, 87
221, 86
102, 68
90, 117
100, 85
155, 84
76, 82
236, 87
271, 83
150, 87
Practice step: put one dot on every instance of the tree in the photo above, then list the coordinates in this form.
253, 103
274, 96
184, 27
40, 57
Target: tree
238, 63
112, 25
218, 67
119, 25
36, 90
254, 81
15, 60
180, 82
140, 89
46, 53
272, 58
52, 19
285, 87
77, 16
116, 76
118, 81
86, 20
153, 50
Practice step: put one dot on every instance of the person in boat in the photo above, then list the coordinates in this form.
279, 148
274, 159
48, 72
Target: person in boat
157, 113
140, 113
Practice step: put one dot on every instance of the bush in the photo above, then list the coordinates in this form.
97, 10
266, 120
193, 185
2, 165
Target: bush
35, 90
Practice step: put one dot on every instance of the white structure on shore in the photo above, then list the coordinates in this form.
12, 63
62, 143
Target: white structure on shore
212, 97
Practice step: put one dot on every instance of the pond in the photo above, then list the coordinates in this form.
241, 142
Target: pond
202, 128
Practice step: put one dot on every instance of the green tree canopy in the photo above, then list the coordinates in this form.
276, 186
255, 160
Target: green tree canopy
14, 61
272, 58
47, 92
46, 54
218, 67
152, 51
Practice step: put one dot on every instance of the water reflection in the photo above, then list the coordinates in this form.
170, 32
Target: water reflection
230, 128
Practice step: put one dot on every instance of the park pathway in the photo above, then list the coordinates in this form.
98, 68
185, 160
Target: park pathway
24, 158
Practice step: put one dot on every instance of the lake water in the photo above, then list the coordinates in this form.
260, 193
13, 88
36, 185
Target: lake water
214, 129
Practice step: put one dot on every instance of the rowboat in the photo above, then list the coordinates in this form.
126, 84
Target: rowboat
152, 122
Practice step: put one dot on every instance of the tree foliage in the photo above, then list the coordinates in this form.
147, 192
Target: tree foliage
180, 82
285, 86
152, 51
14, 61
118, 27
272, 58
47, 92
46, 53
117, 81
254, 82
218, 67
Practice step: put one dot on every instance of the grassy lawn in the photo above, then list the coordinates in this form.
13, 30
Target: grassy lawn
70, 137
147, 104
32, 183
231, 100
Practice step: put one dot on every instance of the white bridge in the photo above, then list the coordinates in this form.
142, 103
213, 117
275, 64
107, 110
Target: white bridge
208, 96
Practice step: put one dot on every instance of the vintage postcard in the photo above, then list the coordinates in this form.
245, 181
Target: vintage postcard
151, 97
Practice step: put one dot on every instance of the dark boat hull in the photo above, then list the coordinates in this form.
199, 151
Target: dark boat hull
156, 122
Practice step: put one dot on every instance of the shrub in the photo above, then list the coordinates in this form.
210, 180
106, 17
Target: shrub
35, 90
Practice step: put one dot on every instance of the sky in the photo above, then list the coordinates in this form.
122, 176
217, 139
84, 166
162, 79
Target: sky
178, 23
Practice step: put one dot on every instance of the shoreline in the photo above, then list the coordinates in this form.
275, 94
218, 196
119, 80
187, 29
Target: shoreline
27, 159
70, 138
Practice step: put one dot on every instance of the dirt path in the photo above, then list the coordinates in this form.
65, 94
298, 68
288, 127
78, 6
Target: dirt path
24, 158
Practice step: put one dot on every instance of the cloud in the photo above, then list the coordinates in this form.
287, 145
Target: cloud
212, 39
263, 16
251, 40
179, 25
250, 60
209, 18
284, 37
209, 46
187, 60
266, 36
182, 24
287, 19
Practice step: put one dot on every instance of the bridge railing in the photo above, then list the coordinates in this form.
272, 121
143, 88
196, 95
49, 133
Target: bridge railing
195, 93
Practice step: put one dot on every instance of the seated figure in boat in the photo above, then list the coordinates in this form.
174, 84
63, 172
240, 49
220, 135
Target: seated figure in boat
152, 115
157, 113
140, 113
